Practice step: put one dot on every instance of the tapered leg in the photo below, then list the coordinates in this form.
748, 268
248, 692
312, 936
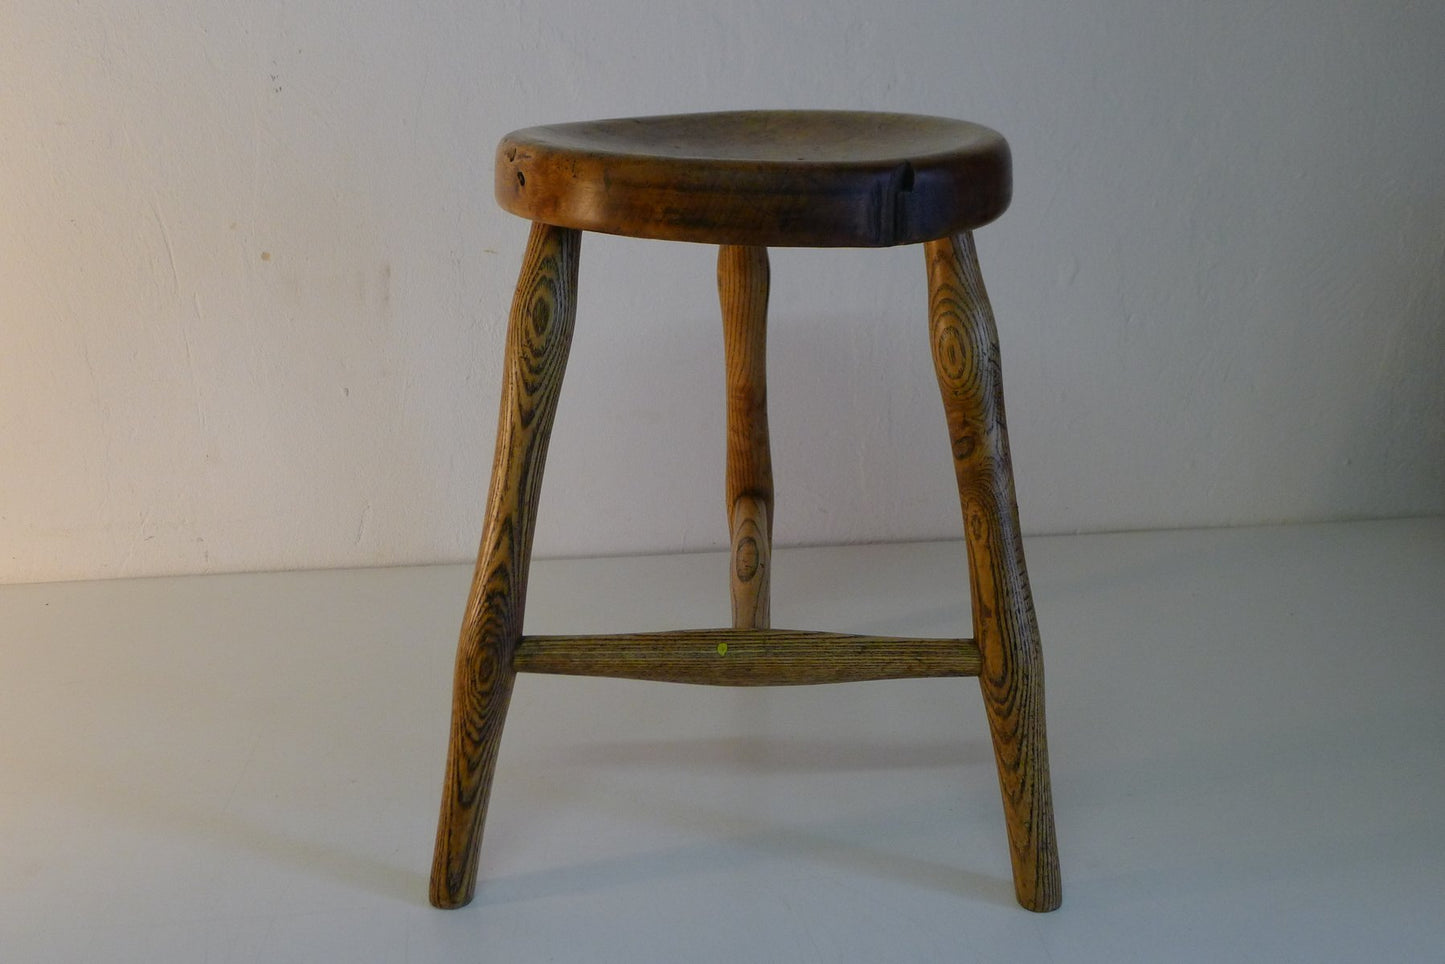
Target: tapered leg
538, 336
742, 281
966, 358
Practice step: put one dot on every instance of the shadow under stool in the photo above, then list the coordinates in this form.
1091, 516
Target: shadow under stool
747, 181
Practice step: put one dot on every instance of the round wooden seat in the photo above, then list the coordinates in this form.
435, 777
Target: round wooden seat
770, 178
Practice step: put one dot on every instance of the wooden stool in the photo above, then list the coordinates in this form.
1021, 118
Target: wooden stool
746, 181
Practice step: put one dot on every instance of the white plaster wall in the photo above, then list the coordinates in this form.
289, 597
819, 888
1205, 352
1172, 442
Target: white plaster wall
253, 286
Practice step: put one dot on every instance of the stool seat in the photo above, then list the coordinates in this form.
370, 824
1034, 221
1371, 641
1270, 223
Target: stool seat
769, 178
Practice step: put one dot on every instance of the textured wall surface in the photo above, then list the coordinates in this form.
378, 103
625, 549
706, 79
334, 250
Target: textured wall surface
253, 286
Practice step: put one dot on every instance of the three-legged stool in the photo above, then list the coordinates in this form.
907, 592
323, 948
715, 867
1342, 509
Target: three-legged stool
747, 181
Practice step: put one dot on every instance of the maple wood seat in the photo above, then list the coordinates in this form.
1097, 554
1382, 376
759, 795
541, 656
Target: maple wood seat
746, 181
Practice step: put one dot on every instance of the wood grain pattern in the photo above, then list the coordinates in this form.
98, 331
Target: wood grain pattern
772, 178
742, 657
742, 281
751, 563
538, 337
966, 359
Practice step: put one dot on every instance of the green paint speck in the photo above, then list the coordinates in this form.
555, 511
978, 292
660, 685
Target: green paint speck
722, 649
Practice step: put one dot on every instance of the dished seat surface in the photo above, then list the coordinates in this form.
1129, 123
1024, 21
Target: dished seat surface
774, 178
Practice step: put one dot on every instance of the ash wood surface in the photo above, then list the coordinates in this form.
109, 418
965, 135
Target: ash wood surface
539, 334
966, 359
751, 563
772, 178
740, 657
742, 280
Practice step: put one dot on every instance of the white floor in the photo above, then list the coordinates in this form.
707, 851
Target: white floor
1247, 732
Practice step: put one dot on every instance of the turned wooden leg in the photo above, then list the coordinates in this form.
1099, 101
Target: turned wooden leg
742, 281
538, 336
966, 357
